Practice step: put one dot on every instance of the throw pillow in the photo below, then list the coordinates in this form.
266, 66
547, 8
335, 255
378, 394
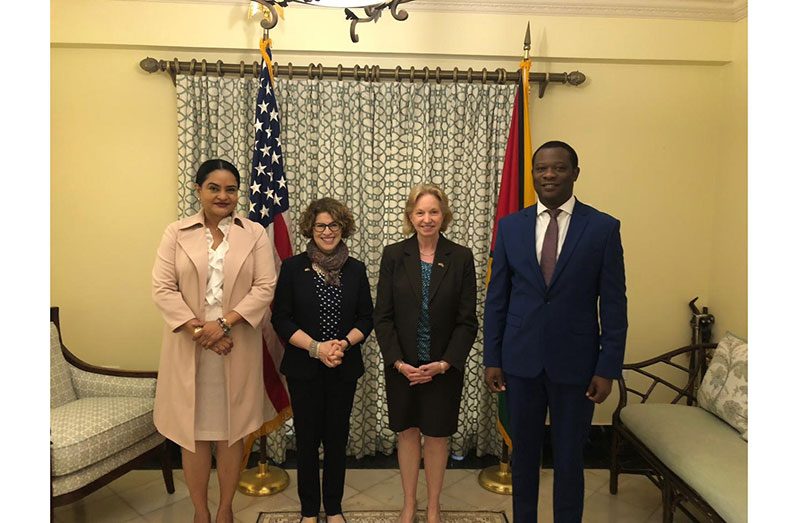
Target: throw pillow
724, 390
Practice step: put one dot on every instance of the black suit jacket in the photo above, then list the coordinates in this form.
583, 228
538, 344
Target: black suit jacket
453, 299
297, 307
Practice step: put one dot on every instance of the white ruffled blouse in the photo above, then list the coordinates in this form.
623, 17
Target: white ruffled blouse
213, 291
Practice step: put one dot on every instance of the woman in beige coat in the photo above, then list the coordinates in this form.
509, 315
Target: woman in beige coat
213, 281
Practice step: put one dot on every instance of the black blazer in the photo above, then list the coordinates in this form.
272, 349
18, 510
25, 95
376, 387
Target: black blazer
297, 307
453, 301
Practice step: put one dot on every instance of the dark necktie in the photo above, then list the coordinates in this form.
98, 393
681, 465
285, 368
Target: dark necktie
548, 254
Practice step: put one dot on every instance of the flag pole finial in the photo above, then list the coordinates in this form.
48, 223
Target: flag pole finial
527, 42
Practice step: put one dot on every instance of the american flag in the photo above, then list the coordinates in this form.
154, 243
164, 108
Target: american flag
268, 205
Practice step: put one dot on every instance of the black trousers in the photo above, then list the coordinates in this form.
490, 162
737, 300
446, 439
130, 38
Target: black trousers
322, 407
570, 414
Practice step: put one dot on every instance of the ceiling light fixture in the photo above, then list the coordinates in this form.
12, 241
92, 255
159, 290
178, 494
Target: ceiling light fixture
371, 11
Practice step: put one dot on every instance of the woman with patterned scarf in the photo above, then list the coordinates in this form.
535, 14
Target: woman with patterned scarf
323, 310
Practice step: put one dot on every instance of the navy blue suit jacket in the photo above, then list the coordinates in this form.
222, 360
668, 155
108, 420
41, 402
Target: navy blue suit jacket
575, 328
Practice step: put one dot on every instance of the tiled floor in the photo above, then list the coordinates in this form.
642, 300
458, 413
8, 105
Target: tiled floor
140, 496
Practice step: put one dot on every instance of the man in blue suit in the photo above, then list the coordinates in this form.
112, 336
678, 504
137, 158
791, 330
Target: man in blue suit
555, 328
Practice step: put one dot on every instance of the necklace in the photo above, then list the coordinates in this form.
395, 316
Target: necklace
426, 253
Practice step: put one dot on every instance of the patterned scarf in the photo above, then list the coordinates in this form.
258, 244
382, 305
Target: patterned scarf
328, 265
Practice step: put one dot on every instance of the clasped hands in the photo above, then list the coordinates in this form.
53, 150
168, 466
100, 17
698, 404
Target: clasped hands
210, 336
331, 352
423, 373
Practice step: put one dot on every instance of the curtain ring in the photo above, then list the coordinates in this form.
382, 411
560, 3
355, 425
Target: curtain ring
177, 66
255, 69
454, 75
241, 68
426, 74
290, 71
310, 71
469, 74
276, 69
366, 72
219, 68
498, 75
340, 67
376, 73
484, 75
412, 73
321, 71
192, 65
204, 68
396, 74
438, 75
355, 71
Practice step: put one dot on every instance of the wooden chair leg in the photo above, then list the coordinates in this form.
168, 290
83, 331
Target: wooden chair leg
614, 466
166, 467
667, 501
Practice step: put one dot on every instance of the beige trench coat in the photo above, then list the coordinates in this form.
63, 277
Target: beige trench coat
179, 280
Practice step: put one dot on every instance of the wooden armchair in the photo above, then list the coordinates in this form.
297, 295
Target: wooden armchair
100, 423
697, 460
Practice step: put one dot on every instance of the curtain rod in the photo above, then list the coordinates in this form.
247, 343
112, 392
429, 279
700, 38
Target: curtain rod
366, 73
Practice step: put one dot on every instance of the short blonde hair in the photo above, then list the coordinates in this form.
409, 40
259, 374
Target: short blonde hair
416, 192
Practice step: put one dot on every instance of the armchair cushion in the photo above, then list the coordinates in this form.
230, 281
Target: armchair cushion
91, 429
698, 447
84, 476
61, 389
91, 385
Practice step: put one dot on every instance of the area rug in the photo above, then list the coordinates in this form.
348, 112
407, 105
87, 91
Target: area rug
390, 516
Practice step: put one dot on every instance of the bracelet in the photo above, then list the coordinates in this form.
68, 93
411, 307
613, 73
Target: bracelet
314, 349
443, 367
399, 367
224, 325
348, 343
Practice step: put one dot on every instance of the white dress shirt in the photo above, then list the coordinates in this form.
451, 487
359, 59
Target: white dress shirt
214, 288
563, 220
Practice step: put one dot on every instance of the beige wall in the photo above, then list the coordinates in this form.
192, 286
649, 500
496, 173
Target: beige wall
729, 277
660, 127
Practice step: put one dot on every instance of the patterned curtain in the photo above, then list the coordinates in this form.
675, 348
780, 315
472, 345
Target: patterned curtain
366, 144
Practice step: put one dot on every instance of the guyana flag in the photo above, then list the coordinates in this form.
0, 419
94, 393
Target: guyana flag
516, 191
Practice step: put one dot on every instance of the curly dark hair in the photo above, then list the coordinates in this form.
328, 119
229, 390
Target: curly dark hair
339, 212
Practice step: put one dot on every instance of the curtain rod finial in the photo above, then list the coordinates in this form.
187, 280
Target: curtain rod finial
150, 65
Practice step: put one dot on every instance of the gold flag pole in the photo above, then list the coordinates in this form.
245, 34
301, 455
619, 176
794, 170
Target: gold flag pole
499, 478
263, 480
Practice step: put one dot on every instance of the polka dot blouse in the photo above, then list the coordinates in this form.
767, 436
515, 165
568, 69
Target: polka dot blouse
329, 297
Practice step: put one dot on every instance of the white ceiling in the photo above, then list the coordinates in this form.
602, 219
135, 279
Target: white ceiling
725, 10
721, 10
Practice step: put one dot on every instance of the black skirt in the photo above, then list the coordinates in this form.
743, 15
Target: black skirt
432, 407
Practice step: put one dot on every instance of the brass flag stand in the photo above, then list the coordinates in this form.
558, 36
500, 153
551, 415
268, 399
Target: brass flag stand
498, 478
264, 480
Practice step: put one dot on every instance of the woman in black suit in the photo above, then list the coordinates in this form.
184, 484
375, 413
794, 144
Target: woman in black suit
425, 320
323, 309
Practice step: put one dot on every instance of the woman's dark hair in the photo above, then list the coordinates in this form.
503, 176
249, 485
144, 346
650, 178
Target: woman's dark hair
339, 212
208, 166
